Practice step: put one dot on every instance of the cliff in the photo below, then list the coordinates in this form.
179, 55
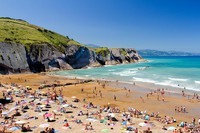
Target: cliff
28, 48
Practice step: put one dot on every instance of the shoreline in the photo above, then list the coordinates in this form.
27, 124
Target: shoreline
144, 88
144, 85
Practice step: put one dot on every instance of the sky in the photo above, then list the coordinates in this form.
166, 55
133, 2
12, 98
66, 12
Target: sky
141, 24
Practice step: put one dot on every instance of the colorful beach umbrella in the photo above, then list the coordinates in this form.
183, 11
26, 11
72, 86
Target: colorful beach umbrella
48, 115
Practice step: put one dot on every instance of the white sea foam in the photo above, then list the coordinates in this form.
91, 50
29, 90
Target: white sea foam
111, 70
144, 80
125, 73
197, 82
108, 65
168, 84
177, 79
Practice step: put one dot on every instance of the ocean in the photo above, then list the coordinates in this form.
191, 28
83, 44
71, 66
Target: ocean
180, 72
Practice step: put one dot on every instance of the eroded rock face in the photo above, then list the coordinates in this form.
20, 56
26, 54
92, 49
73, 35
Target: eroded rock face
15, 58
119, 56
79, 56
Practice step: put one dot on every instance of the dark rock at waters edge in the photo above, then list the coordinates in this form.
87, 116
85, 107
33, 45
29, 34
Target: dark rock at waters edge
16, 58
66, 84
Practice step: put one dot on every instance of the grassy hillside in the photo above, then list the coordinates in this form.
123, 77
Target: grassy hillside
20, 31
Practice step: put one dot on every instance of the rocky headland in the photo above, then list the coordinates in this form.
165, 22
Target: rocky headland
28, 48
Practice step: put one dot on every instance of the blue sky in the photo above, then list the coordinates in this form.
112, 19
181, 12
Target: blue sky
141, 24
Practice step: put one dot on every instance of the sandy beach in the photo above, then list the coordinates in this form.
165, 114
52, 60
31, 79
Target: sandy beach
102, 94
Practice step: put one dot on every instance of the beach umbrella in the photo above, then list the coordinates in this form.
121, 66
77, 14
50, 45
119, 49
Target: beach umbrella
9, 90
31, 96
60, 98
44, 100
65, 105
91, 119
44, 125
65, 128
14, 128
142, 124
23, 102
8, 98
51, 101
42, 106
4, 113
16, 89
12, 109
105, 130
48, 115
171, 128
111, 114
124, 123
74, 97
20, 122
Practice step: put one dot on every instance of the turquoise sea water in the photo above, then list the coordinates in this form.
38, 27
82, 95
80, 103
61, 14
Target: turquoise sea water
168, 71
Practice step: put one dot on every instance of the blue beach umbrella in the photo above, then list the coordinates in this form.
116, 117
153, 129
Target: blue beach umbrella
171, 128
124, 123
14, 128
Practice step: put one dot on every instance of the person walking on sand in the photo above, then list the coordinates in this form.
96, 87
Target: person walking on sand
115, 98
142, 99
158, 97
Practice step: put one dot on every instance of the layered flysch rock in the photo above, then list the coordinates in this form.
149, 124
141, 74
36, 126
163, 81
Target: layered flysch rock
16, 58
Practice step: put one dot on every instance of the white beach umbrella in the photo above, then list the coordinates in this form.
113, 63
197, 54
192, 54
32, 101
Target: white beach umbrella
20, 122
111, 114
42, 106
44, 125
142, 124
171, 128
9, 90
4, 113
65, 105
74, 97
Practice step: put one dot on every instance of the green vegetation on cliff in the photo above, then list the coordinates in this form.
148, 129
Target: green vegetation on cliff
103, 51
123, 51
20, 31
